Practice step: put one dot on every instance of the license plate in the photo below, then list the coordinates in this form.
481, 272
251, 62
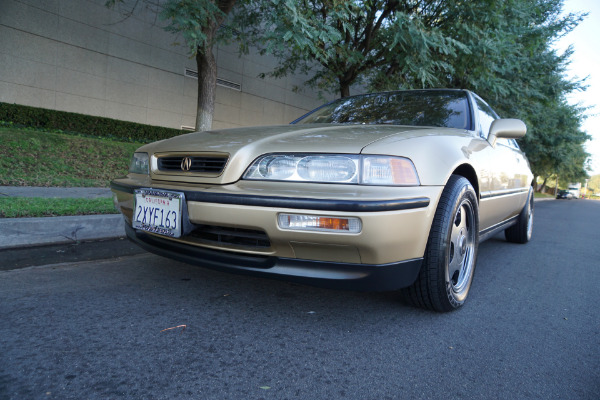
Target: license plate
158, 211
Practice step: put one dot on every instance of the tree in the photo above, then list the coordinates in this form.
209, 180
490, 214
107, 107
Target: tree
594, 184
198, 21
526, 79
501, 49
507, 58
554, 144
341, 43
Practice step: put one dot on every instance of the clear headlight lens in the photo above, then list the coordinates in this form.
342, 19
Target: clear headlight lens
277, 167
334, 168
308, 168
139, 163
328, 169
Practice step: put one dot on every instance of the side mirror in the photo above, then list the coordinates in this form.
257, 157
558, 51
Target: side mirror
506, 128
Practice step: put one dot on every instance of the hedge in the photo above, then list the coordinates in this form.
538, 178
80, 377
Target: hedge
85, 124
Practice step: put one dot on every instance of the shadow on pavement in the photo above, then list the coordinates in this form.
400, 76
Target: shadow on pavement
65, 253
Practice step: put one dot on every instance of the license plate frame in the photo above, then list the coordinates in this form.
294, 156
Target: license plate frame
158, 211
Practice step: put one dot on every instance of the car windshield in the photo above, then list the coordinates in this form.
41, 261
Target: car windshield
414, 108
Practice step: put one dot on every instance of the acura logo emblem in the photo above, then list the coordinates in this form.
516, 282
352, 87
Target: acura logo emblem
186, 163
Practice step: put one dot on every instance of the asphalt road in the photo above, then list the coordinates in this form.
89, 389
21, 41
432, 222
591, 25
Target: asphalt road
94, 329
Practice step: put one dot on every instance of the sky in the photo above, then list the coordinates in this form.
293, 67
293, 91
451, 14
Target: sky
586, 63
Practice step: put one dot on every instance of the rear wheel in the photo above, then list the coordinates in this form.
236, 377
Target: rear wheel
521, 232
449, 263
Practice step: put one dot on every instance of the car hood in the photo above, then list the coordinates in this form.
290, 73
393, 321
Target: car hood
243, 145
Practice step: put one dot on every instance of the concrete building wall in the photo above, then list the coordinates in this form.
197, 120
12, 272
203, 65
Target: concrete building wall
79, 56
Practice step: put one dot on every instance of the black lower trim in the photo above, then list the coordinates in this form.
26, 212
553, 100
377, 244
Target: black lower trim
293, 202
491, 231
363, 277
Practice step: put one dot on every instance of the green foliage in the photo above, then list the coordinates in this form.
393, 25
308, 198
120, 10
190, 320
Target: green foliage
554, 141
506, 47
594, 184
521, 76
340, 43
539, 195
508, 59
193, 19
500, 49
20, 207
85, 124
40, 158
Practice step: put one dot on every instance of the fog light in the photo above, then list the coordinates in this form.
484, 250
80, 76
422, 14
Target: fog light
319, 223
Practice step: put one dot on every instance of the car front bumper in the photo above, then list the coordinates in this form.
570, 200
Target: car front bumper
346, 276
385, 255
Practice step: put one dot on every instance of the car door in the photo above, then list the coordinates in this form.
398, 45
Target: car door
502, 184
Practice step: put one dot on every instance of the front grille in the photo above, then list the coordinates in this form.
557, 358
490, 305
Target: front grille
222, 235
200, 164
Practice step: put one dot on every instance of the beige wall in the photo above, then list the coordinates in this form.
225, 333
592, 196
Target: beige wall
79, 56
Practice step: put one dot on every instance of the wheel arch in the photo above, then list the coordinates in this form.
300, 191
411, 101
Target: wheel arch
467, 171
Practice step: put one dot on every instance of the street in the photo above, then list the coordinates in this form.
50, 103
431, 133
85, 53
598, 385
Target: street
100, 328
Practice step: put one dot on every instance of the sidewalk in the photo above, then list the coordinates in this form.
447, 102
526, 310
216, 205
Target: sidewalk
23, 232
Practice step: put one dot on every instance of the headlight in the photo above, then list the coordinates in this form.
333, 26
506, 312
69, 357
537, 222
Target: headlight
139, 163
334, 168
279, 168
305, 168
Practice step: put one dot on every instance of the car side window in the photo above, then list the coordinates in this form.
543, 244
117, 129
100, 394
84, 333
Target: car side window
486, 117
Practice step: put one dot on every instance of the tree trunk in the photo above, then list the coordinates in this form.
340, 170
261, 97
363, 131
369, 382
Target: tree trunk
207, 69
345, 81
543, 187
344, 90
207, 87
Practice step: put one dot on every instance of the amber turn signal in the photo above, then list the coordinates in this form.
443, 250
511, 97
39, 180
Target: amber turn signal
319, 223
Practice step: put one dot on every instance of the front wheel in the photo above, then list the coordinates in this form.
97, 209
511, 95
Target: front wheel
449, 263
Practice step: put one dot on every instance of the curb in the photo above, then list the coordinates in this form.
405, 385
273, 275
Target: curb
23, 232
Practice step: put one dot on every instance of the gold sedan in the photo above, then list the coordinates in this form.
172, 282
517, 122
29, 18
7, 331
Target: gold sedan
382, 191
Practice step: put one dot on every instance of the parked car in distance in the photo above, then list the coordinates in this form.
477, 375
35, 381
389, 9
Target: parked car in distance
381, 191
564, 194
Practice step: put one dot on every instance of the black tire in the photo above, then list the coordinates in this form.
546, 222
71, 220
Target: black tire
451, 254
521, 232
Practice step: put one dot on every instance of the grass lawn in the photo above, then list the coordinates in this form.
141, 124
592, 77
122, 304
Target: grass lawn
19, 207
538, 195
37, 158
31, 157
